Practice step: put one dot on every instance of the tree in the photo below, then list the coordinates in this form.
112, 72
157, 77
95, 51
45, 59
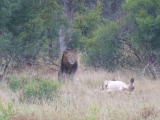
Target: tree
145, 18
103, 50
99, 38
86, 22
144, 37
30, 29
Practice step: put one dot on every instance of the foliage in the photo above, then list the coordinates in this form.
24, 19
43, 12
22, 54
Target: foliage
14, 83
34, 89
98, 40
77, 40
111, 8
103, 49
145, 18
6, 9
88, 21
108, 33
6, 112
47, 87
42, 89
29, 28
30, 90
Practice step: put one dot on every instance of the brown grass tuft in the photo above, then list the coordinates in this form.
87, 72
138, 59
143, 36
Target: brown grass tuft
149, 112
31, 116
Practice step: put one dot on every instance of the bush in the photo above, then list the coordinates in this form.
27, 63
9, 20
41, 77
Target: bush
30, 90
47, 87
34, 89
103, 50
41, 89
14, 83
6, 112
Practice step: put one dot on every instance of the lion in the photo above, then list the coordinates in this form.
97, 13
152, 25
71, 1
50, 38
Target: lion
69, 64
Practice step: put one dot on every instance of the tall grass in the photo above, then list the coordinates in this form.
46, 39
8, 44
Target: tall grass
77, 100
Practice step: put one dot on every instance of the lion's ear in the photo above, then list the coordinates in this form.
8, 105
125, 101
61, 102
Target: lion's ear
65, 52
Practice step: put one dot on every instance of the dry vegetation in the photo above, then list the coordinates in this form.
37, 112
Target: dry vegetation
78, 100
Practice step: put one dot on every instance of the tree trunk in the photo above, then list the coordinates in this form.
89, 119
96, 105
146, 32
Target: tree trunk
69, 9
68, 12
62, 41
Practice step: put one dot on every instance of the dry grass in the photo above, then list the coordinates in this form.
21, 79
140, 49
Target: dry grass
79, 101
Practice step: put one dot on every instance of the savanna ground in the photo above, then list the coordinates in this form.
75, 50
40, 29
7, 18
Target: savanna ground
77, 100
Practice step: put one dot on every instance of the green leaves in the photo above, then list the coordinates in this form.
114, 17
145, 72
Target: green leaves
6, 111
99, 38
30, 28
88, 21
144, 15
34, 89
27, 26
104, 47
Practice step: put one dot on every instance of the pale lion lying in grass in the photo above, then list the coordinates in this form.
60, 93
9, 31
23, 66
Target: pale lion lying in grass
111, 86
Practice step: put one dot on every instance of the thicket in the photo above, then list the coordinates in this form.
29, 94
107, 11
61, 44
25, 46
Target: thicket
31, 90
109, 34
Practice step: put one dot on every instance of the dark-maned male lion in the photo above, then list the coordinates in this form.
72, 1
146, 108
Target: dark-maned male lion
69, 64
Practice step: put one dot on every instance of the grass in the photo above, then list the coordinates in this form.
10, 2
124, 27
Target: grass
78, 100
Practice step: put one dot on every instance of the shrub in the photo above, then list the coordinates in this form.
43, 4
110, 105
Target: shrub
41, 89
30, 90
14, 83
34, 89
6, 112
103, 48
47, 87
